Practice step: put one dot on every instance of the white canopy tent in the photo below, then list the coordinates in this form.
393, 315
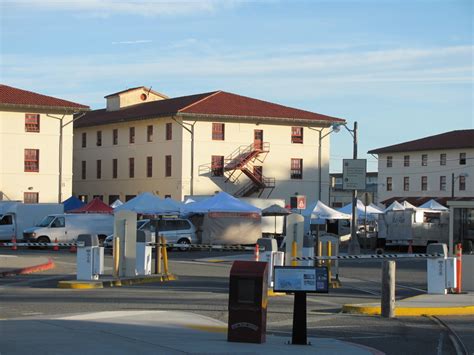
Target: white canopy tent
116, 203
319, 213
408, 205
433, 205
147, 203
227, 220
361, 208
395, 206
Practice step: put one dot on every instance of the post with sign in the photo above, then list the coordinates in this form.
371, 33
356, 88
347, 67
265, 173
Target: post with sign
300, 280
353, 178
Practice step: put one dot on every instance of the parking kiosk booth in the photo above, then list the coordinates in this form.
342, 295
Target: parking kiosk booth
90, 258
248, 299
143, 259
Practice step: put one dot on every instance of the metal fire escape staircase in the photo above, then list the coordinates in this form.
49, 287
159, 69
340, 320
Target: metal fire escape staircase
242, 161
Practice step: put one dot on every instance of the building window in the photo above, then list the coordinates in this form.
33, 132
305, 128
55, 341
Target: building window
99, 138
406, 160
462, 183
115, 137
32, 160
99, 169
32, 122
424, 183
389, 184
218, 131
169, 131
113, 198
168, 165
389, 161
442, 159
114, 168
149, 133
406, 183
83, 198
217, 165
131, 136
129, 197
83, 170
149, 166
131, 167
442, 183
424, 160
100, 197
462, 158
30, 197
84, 139
296, 169
297, 135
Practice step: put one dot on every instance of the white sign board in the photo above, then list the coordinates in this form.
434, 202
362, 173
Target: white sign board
300, 279
353, 174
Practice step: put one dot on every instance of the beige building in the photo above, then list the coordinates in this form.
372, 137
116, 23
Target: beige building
439, 167
196, 145
30, 126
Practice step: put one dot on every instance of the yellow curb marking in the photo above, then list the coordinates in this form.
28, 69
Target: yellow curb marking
410, 311
208, 328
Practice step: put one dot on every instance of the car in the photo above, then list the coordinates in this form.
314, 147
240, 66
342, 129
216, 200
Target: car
175, 231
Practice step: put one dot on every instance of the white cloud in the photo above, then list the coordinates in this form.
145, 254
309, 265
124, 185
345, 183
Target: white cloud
138, 41
136, 7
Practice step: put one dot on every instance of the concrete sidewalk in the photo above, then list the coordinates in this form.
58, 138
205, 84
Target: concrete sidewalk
23, 264
152, 332
432, 305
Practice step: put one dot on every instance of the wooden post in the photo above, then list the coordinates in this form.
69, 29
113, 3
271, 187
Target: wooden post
388, 289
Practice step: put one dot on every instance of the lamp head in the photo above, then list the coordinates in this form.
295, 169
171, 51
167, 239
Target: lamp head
336, 127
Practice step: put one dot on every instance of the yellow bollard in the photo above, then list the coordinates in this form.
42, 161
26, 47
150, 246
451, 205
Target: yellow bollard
293, 253
329, 261
165, 255
116, 256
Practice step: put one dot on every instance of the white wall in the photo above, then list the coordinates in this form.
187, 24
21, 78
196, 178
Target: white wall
14, 181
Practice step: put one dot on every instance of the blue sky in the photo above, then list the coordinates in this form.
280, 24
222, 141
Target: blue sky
401, 69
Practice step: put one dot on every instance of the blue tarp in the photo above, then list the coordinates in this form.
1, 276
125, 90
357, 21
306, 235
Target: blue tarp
72, 203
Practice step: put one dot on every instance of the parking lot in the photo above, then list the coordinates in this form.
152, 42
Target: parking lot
202, 288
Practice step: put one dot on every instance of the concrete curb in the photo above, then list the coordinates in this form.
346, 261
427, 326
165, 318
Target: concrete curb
30, 269
74, 284
400, 311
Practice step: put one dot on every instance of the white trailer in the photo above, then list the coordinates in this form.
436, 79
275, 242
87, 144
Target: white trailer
419, 227
16, 216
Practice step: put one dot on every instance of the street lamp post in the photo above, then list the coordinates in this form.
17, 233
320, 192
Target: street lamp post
60, 147
354, 247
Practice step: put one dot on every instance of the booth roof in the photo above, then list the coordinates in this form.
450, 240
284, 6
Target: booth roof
221, 202
319, 210
95, 206
72, 203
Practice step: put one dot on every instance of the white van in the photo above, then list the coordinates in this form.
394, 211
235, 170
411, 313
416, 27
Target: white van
66, 227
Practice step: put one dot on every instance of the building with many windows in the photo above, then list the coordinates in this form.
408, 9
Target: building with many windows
30, 132
196, 145
439, 167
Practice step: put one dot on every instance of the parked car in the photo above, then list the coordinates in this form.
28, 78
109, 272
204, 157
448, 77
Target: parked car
66, 227
175, 231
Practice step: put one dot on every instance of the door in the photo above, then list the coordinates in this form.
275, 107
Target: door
258, 139
7, 227
58, 230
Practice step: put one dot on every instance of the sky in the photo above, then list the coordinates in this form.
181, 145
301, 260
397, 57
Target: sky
402, 69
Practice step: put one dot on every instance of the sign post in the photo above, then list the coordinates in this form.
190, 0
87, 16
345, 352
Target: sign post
354, 178
300, 280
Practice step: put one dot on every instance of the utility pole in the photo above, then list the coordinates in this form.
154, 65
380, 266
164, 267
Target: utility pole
354, 247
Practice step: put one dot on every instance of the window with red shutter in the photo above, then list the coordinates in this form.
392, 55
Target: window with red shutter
217, 165
297, 168
32, 160
297, 135
218, 131
32, 122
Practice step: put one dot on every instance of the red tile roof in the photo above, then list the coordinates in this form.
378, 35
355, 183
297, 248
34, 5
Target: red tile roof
449, 140
216, 103
18, 97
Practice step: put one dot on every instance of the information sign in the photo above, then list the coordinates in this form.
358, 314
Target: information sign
301, 279
353, 174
